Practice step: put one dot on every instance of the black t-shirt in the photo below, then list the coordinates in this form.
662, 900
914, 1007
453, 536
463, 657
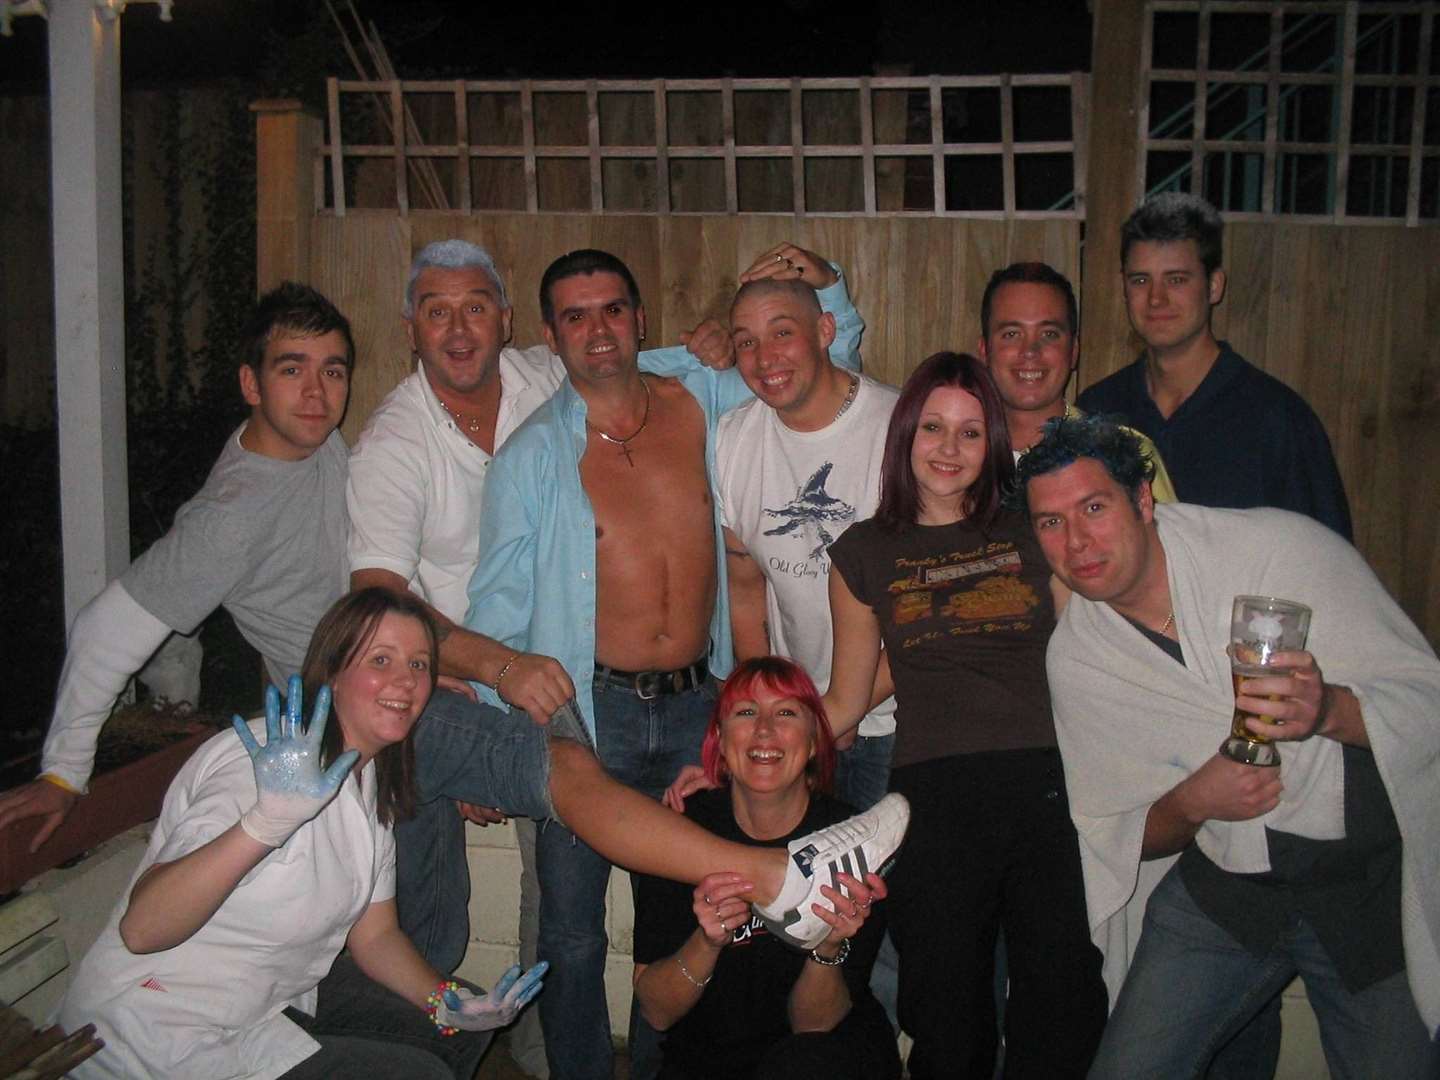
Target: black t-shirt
1242, 439
742, 1013
966, 614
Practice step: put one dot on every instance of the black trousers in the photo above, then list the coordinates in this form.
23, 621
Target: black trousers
991, 845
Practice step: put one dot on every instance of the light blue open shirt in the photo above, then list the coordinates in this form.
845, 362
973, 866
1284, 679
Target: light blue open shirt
534, 587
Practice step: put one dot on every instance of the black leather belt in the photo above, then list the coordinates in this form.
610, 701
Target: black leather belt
652, 684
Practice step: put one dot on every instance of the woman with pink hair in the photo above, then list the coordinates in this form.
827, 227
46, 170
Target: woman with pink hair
735, 999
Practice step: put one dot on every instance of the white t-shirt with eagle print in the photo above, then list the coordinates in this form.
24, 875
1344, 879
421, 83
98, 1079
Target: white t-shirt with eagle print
788, 495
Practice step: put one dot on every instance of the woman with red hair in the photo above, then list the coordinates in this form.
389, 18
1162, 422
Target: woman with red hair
733, 999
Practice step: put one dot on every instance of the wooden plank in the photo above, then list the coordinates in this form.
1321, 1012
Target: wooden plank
1345, 88
867, 144
592, 149
699, 267
797, 148
397, 130
1417, 120
662, 145
462, 146
1199, 118
937, 143
1007, 146
360, 264
1272, 111
337, 151
1112, 187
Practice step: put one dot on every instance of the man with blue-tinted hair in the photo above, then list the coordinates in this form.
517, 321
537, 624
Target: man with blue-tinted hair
1323, 866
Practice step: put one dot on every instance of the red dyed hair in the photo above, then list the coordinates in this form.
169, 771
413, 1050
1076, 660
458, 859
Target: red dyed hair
785, 678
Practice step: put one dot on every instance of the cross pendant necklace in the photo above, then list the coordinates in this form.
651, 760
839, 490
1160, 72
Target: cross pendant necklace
623, 444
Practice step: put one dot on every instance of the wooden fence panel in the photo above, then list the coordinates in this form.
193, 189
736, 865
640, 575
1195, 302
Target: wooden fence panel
1343, 315
1339, 313
917, 282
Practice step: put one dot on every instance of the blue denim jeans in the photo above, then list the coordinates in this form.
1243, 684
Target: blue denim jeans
478, 754
1192, 986
862, 773
643, 744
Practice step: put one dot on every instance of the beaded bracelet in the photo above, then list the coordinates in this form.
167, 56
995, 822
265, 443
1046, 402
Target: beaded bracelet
504, 670
833, 961
435, 1000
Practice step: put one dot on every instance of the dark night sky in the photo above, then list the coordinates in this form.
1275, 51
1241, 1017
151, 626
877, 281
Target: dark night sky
447, 38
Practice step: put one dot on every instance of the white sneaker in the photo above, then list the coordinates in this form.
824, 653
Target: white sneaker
856, 846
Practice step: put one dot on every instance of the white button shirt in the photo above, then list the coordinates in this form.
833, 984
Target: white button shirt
416, 481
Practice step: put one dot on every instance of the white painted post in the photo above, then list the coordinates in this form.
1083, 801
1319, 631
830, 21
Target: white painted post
89, 296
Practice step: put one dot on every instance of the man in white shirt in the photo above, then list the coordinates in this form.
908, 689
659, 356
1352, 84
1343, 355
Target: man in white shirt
795, 467
417, 477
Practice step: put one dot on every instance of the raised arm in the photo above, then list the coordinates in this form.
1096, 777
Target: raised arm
172, 900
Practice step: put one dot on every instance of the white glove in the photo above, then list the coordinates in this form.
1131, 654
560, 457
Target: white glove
290, 787
469, 1012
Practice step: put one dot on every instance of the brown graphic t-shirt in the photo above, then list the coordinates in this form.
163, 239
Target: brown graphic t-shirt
966, 615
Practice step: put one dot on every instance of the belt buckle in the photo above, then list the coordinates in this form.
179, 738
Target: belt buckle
647, 685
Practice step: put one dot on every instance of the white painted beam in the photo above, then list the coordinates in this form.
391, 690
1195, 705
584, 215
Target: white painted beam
89, 296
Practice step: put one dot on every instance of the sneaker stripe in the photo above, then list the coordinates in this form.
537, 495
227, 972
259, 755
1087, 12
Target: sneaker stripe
861, 863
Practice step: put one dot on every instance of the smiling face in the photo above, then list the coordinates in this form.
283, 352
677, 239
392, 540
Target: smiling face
1031, 349
1097, 541
381, 693
766, 740
781, 345
947, 454
458, 329
298, 395
597, 329
1168, 294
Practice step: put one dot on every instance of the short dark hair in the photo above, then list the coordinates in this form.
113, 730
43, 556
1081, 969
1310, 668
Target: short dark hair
295, 309
339, 638
584, 261
899, 495
1066, 439
1170, 216
1030, 273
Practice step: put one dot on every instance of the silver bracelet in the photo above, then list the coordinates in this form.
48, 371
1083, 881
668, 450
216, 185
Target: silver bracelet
836, 960
686, 972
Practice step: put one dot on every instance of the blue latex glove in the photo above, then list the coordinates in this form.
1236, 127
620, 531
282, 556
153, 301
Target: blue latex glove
485, 1012
290, 787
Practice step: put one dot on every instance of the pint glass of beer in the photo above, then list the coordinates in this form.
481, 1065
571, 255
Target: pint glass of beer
1260, 627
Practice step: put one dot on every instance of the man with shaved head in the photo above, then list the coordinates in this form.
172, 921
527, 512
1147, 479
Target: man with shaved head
794, 468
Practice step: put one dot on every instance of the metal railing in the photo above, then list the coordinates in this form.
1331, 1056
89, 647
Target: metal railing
1375, 167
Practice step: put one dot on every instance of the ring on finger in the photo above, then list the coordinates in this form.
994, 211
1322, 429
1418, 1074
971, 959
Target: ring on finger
780, 258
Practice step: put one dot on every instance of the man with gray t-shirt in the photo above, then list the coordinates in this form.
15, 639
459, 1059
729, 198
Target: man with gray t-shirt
264, 537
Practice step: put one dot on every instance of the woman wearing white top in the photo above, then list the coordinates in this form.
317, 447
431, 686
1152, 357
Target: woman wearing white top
265, 862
